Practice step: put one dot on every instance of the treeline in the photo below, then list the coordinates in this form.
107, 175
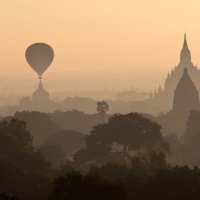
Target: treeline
119, 182
126, 158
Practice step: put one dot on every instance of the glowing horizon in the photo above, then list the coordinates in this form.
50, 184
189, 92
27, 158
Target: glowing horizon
124, 43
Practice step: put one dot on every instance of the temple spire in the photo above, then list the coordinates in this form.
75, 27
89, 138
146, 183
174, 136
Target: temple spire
40, 86
185, 57
186, 96
40, 94
185, 45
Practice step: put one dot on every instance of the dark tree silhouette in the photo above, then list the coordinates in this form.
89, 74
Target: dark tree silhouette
23, 170
39, 125
70, 141
142, 166
54, 153
149, 164
177, 183
76, 120
110, 171
121, 138
102, 109
16, 130
6, 197
191, 146
75, 186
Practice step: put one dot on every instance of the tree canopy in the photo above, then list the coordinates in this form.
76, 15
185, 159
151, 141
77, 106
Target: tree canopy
102, 108
120, 138
75, 186
23, 170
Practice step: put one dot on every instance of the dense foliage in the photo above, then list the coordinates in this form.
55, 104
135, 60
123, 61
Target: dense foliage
23, 170
120, 139
75, 186
125, 159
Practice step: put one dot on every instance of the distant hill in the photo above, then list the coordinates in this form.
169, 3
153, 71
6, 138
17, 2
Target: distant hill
86, 105
70, 141
39, 125
43, 126
75, 120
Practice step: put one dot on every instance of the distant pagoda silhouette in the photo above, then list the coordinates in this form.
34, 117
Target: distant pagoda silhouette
40, 101
40, 95
185, 99
163, 97
175, 75
186, 96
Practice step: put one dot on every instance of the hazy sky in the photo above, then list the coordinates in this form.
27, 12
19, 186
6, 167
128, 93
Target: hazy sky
97, 43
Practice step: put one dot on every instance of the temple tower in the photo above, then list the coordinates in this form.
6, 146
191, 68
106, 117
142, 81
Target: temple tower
186, 96
40, 95
185, 56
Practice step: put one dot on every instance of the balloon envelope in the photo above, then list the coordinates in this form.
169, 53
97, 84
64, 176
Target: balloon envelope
39, 56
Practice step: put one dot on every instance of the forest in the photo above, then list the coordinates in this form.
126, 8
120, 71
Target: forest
123, 156
99, 100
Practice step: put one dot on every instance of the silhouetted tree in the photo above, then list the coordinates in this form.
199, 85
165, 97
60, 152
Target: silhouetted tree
6, 197
76, 120
23, 170
191, 146
17, 131
142, 166
149, 163
120, 138
75, 186
39, 125
168, 183
102, 109
110, 171
16, 146
54, 153
177, 183
70, 141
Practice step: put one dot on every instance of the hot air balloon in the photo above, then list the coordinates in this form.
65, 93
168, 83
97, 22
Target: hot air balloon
39, 56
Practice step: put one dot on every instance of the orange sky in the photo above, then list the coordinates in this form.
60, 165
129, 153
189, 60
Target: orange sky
97, 43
